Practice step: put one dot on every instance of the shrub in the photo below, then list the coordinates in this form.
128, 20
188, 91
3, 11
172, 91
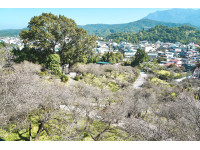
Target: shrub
158, 81
84, 74
43, 73
64, 78
126, 63
77, 78
163, 74
53, 63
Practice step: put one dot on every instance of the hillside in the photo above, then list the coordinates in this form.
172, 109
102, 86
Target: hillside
105, 29
184, 34
177, 15
10, 32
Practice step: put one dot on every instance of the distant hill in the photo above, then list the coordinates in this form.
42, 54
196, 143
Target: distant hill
177, 15
184, 34
10, 32
106, 29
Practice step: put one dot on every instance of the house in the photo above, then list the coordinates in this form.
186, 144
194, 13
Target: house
178, 63
152, 55
162, 63
149, 49
101, 48
129, 54
160, 53
169, 55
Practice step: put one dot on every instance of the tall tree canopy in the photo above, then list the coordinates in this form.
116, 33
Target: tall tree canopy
48, 32
140, 57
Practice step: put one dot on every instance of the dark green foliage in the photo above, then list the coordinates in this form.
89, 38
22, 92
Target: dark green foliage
53, 63
47, 31
31, 55
140, 57
198, 48
183, 34
77, 78
161, 59
64, 78
84, 74
112, 57
126, 63
2, 44
93, 58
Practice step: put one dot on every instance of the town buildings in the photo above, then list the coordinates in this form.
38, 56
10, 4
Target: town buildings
174, 53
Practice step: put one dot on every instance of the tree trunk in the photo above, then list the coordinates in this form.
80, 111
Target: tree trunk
30, 137
39, 131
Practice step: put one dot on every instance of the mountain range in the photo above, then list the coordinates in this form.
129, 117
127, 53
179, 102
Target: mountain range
169, 18
106, 29
177, 15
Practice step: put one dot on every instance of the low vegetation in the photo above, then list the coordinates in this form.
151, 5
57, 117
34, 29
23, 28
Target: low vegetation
34, 109
106, 76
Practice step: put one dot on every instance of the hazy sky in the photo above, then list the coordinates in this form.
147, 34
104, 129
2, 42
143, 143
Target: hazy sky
17, 18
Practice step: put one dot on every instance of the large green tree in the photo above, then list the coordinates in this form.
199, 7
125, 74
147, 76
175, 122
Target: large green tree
140, 57
78, 49
48, 32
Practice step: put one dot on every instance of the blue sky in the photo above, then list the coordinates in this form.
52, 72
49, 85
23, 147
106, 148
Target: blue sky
17, 18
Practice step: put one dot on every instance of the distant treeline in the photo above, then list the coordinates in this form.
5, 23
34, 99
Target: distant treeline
184, 34
103, 30
10, 32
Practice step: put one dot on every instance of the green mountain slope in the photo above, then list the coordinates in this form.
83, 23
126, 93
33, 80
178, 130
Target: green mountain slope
105, 29
184, 34
10, 32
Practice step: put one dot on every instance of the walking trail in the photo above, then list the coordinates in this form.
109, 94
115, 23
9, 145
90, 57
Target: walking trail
140, 81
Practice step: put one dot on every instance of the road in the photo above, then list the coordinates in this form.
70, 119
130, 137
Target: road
141, 79
180, 80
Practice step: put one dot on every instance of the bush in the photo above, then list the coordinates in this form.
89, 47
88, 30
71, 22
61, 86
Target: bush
53, 63
84, 74
64, 78
161, 59
163, 74
126, 63
77, 78
158, 81
43, 73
